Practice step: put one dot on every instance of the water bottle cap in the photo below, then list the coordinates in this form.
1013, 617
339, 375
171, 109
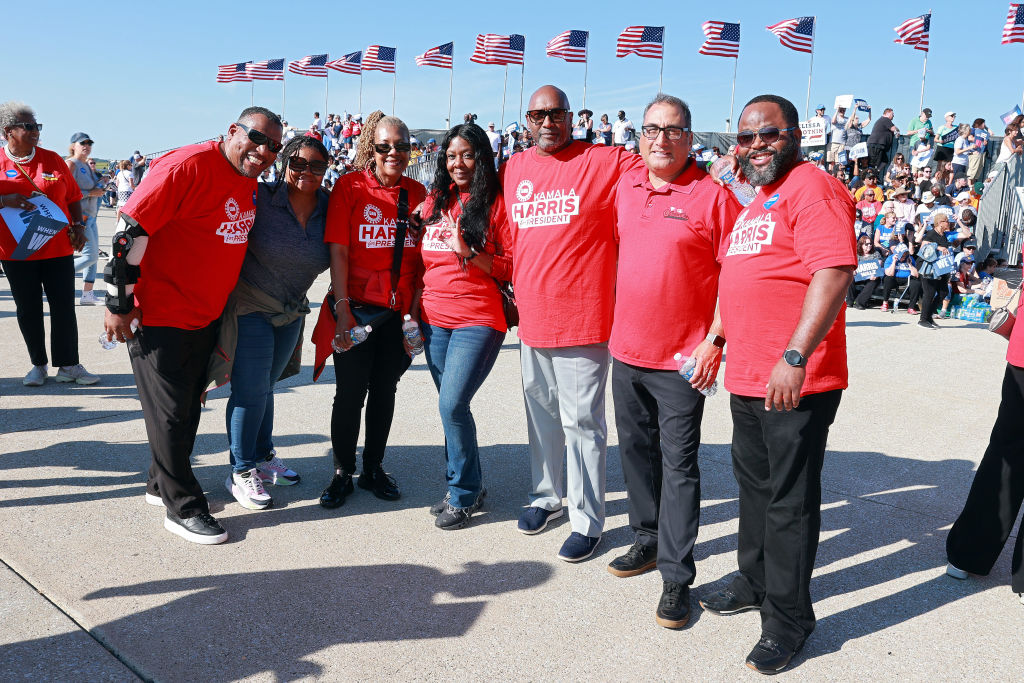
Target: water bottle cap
368, 328
407, 317
678, 356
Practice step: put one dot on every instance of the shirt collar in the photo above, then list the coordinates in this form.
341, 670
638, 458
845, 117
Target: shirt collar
683, 184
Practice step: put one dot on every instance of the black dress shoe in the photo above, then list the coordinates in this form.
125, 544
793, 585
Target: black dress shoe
336, 492
674, 606
770, 656
638, 559
381, 484
725, 602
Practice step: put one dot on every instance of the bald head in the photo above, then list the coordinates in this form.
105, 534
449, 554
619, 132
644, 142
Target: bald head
549, 119
549, 97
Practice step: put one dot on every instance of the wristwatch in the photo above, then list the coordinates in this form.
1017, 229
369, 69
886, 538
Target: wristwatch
794, 358
715, 340
473, 253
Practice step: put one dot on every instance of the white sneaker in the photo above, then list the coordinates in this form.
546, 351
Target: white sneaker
88, 298
247, 488
36, 376
955, 572
274, 471
76, 373
154, 500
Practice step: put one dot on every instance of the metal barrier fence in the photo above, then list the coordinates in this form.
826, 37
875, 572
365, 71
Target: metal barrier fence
422, 168
1000, 225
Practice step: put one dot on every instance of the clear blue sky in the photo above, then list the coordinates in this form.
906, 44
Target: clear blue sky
141, 75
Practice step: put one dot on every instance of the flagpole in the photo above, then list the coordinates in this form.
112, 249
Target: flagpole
451, 81
394, 89
661, 69
732, 98
284, 94
586, 58
360, 88
924, 72
522, 76
810, 73
503, 89
327, 91
252, 88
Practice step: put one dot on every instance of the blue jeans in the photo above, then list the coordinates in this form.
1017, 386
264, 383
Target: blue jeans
261, 355
459, 361
90, 252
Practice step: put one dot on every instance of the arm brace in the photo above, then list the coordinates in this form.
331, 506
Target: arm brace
122, 270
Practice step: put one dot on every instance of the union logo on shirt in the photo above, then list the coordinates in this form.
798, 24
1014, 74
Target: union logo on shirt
554, 207
749, 235
231, 209
524, 190
236, 229
372, 213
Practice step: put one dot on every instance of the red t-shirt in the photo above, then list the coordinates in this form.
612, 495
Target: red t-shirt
51, 175
453, 297
1015, 352
362, 215
561, 209
198, 211
666, 286
792, 229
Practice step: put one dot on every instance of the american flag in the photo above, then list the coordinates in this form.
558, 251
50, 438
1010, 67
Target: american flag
1013, 32
494, 49
569, 45
643, 41
914, 32
230, 73
312, 65
352, 63
796, 34
437, 56
723, 39
266, 70
380, 58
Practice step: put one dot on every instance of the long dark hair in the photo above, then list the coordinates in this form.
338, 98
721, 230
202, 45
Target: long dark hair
476, 214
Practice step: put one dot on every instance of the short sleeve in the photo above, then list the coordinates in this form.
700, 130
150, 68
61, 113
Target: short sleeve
501, 267
339, 212
73, 193
154, 203
823, 234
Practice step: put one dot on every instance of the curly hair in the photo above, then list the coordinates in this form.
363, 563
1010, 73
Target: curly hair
364, 145
11, 111
484, 189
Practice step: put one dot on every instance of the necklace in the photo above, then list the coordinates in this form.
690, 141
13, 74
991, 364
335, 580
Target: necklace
19, 160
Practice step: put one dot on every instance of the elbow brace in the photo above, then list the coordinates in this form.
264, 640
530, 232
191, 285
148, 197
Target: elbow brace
122, 270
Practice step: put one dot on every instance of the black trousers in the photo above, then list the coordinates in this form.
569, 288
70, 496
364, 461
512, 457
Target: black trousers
367, 373
913, 292
878, 157
658, 415
863, 296
981, 530
56, 277
170, 370
777, 458
929, 302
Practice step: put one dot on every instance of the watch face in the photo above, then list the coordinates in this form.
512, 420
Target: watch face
793, 357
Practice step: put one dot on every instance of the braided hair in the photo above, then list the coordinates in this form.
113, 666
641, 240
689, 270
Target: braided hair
366, 141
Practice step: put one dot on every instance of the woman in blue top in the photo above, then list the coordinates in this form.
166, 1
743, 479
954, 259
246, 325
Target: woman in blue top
285, 255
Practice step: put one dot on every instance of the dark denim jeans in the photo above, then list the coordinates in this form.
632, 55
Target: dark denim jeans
459, 361
261, 355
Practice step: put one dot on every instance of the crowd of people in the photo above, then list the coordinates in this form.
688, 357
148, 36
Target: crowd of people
210, 270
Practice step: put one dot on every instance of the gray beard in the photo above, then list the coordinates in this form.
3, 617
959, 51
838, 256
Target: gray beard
781, 162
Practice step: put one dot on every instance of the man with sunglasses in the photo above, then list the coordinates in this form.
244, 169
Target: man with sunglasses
670, 218
179, 246
560, 196
786, 266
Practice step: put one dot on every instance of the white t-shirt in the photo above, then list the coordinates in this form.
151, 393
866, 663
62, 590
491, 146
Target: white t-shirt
619, 129
124, 181
960, 149
317, 124
495, 139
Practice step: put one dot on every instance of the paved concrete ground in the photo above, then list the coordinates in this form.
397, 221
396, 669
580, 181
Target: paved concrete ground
373, 590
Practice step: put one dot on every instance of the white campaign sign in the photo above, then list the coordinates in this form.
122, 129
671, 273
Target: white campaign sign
33, 229
813, 132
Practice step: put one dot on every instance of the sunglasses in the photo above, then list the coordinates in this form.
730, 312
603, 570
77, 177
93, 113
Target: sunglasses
538, 115
671, 132
769, 135
260, 139
300, 165
30, 127
383, 148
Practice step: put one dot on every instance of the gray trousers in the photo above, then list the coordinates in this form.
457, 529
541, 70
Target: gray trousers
564, 390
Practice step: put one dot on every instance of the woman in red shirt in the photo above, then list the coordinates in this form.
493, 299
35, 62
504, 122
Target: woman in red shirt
362, 222
466, 249
40, 261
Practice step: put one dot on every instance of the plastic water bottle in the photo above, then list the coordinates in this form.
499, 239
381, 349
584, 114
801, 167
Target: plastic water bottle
411, 330
686, 366
110, 344
358, 334
721, 168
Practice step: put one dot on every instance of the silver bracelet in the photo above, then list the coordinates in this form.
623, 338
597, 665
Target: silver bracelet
338, 301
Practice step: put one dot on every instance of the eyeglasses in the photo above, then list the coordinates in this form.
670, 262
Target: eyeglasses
671, 132
383, 148
538, 115
300, 165
769, 135
29, 127
260, 139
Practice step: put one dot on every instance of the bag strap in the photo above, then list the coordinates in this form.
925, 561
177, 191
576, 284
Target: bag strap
401, 229
25, 173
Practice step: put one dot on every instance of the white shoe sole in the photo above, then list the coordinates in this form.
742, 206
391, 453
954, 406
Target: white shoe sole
956, 572
154, 500
554, 515
178, 530
242, 499
33, 382
580, 559
278, 481
81, 380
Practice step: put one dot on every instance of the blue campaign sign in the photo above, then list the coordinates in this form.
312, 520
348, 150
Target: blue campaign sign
868, 268
945, 265
951, 136
33, 229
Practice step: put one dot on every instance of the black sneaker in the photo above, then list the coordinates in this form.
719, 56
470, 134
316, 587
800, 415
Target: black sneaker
336, 492
381, 484
438, 507
202, 528
770, 656
453, 518
725, 603
638, 559
674, 607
